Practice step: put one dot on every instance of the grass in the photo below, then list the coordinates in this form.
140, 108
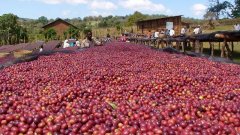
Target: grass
220, 28
217, 50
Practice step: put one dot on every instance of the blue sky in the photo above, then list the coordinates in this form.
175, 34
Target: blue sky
81, 8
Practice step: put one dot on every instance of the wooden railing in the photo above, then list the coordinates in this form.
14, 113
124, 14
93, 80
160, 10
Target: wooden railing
225, 38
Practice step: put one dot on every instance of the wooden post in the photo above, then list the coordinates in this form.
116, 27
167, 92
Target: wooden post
177, 45
228, 51
201, 47
197, 46
162, 44
184, 45
158, 44
193, 46
232, 47
212, 48
223, 49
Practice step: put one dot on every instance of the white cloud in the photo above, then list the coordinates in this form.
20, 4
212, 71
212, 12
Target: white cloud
104, 5
65, 13
64, 1
144, 5
199, 9
97, 13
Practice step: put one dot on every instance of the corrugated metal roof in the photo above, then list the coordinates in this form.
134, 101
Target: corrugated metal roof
158, 18
59, 19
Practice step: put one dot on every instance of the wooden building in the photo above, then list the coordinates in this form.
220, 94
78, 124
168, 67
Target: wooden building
60, 26
153, 25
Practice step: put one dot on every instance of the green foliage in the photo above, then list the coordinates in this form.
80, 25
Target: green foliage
236, 9
103, 24
137, 16
220, 8
50, 34
86, 30
10, 31
43, 20
119, 27
71, 33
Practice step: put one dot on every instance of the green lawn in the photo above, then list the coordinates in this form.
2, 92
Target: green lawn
220, 28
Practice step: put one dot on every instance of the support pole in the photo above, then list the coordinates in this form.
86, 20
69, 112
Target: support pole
228, 51
177, 45
197, 46
212, 48
201, 47
223, 50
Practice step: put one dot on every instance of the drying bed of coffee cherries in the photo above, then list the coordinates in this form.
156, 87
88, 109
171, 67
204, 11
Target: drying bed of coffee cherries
120, 89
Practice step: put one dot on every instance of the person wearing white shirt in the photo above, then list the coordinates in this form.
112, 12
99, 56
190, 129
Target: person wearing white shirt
183, 31
78, 43
196, 30
156, 34
66, 44
171, 33
237, 27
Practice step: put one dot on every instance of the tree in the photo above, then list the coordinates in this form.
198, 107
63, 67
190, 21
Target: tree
71, 33
119, 28
236, 9
10, 31
103, 23
21, 34
211, 17
50, 34
42, 20
220, 8
137, 16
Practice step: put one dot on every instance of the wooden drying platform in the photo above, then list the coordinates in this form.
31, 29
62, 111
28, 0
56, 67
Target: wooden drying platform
226, 38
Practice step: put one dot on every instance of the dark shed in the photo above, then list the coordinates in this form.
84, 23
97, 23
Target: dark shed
174, 22
60, 26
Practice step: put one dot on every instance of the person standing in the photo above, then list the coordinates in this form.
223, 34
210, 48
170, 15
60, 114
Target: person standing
156, 34
197, 30
149, 34
78, 43
89, 41
183, 31
236, 27
172, 33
